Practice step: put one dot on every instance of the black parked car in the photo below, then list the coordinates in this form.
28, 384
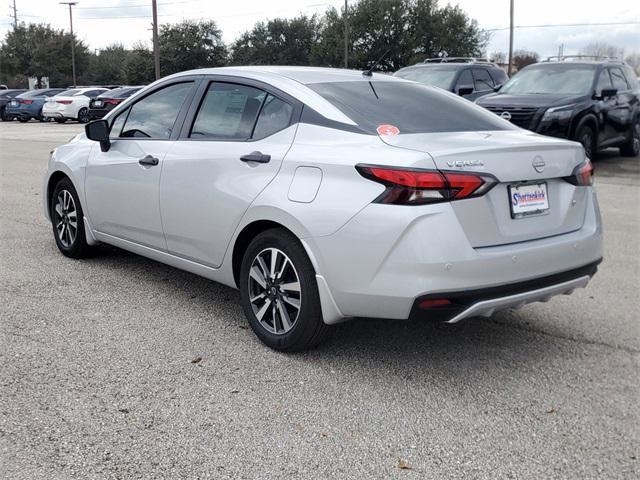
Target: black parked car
594, 102
468, 77
5, 96
105, 102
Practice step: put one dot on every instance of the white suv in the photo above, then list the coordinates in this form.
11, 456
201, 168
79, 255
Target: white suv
71, 104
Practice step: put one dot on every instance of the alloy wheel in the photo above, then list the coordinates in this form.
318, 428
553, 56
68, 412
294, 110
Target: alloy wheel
66, 218
636, 138
274, 291
83, 115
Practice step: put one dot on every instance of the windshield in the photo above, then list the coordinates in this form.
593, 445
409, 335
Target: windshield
407, 106
437, 76
552, 79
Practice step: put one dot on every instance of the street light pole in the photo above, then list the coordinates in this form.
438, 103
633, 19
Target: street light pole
346, 36
509, 68
73, 40
156, 47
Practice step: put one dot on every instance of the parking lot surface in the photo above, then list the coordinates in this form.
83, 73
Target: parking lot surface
119, 367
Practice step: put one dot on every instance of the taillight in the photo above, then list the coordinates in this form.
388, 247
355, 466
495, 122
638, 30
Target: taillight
419, 187
582, 175
112, 101
64, 102
26, 102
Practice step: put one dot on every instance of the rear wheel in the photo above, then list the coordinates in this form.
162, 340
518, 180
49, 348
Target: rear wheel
279, 293
83, 115
587, 137
632, 147
67, 221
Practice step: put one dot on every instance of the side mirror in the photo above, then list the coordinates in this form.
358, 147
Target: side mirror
98, 131
608, 92
465, 90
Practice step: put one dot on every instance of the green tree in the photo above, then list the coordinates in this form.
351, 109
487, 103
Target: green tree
37, 50
191, 44
138, 67
108, 66
277, 42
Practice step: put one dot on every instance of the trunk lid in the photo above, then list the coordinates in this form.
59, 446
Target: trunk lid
509, 156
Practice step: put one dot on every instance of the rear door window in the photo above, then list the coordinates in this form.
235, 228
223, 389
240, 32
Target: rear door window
228, 112
154, 115
275, 115
482, 80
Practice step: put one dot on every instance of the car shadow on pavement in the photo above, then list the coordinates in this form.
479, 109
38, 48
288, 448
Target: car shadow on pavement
403, 345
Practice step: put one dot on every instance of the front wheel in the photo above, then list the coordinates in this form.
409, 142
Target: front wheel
68, 221
83, 115
279, 293
632, 147
587, 137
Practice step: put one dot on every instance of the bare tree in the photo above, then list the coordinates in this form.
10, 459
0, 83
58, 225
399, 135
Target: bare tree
633, 59
601, 49
522, 58
498, 57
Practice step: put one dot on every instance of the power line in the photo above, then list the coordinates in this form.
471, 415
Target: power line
563, 25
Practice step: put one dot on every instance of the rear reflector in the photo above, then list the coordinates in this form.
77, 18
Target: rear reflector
434, 303
64, 102
419, 187
582, 175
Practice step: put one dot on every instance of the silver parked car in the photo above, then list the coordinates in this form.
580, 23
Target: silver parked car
324, 194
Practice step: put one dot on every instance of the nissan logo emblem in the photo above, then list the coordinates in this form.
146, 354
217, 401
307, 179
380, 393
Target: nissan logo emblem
505, 115
538, 164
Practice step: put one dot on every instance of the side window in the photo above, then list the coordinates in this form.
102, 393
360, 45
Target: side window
603, 81
482, 80
154, 115
274, 116
465, 79
228, 111
118, 122
499, 76
619, 82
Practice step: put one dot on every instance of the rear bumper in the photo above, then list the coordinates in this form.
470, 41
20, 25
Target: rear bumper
484, 302
382, 261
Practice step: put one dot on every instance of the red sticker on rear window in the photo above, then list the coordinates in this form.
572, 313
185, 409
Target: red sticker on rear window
387, 130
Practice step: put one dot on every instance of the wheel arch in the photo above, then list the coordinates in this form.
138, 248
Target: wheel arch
589, 119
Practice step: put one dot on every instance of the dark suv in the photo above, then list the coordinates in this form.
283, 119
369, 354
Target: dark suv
594, 102
468, 77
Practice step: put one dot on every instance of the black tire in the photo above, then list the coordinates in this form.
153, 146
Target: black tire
23, 120
632, 147
3, 116
73, 246
308, 329
61, 120
83, 115
587, 137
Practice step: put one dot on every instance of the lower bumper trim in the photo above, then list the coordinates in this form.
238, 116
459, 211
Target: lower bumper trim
484, 302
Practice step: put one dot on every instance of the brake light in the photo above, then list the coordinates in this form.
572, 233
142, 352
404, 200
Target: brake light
64, 102
582, 175
26, 102
112, 101
419, 187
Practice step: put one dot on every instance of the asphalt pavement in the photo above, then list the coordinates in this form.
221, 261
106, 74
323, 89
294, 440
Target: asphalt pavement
118, 367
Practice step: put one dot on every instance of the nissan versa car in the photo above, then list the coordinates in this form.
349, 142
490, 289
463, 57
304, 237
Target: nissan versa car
72, 104
324, 194
594, 102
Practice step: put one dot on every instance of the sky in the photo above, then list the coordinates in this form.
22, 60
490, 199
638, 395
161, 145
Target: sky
103, 22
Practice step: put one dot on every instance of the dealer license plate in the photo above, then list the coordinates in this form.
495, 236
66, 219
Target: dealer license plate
528, 199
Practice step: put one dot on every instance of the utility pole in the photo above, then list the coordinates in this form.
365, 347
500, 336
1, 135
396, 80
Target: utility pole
156, 47
15, 15
73, 40
509, 68
346, 36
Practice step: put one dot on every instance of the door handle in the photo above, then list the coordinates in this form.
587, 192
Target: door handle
148, 160
258, 157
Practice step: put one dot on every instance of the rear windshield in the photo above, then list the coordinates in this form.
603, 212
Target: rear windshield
410, 107
35, 93
69, 93
437, 76
122, 92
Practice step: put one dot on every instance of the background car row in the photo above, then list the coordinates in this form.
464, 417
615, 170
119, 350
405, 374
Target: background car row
594, 101
79, 104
